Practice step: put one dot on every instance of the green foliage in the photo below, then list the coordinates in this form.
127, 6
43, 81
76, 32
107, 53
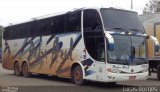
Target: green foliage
1, 30
152, 6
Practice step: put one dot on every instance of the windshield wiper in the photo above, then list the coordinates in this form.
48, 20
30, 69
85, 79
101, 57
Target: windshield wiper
127, 30
135, 30
120, 29
139, 60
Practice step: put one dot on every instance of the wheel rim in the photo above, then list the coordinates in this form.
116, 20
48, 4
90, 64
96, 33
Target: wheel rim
78, 75
25, 69
16, 69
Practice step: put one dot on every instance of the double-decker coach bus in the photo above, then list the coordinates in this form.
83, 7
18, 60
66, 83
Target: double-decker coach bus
98, 44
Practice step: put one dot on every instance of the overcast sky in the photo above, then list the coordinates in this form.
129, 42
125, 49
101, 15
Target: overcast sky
16, 11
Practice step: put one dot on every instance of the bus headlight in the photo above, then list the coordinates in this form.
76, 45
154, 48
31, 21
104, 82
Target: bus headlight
116, 71
113, 70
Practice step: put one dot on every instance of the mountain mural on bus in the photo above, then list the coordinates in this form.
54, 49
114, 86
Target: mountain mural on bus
48, 54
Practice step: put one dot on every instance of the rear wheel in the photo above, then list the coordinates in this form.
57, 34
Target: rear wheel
158, 72
17, 71
25, 70
78, 76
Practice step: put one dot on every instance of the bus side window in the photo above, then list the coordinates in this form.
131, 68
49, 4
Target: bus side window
93, 35
21, 31
45, 26
58, 24
73, 22
16, 32
92, 21
7, 33
33, 28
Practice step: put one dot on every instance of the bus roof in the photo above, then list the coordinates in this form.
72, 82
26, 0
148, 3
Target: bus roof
65, 12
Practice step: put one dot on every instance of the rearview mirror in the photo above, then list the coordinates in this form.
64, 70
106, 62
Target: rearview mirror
110, 41
156, 43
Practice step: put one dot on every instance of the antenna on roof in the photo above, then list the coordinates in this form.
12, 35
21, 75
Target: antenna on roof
131, 4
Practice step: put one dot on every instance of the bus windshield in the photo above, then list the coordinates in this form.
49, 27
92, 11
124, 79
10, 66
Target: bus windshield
114, 18
128, 50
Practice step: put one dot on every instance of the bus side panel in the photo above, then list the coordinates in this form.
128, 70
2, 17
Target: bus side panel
51, 55
68, 53
149, 28
57, 54
42, 63
158, 36
7, 60
10, 53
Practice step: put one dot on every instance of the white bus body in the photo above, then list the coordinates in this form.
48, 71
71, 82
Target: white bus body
99, 49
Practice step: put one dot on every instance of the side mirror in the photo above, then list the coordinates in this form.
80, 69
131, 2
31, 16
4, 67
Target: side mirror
110, 41
156, 43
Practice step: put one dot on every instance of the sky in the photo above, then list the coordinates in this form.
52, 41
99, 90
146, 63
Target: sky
17, 11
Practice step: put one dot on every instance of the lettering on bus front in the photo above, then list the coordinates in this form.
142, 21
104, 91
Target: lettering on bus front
120, 67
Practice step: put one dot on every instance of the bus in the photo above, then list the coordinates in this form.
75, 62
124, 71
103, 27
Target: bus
151, 24
96, 44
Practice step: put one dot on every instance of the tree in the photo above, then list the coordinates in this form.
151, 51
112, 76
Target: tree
152, 6
1, 30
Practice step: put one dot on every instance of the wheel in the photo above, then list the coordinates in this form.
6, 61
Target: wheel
25, 70
78, 76
158, 72
17, 71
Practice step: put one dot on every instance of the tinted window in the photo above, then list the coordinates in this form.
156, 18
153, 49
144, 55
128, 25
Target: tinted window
21, 31
7, 33
16, 31
114, 18
45, 26
93, 35
54, 25
73, 21
34, 28
92, 21
58, 24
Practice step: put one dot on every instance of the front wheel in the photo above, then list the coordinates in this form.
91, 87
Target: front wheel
78, 76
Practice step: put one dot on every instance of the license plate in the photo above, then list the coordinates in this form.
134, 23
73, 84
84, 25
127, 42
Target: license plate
132, 77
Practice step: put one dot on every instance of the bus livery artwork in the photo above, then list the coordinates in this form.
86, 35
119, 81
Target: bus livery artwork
97, 44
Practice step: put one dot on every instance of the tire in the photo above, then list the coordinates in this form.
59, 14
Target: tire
78, 76
25, 70
17, 71
158, 72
